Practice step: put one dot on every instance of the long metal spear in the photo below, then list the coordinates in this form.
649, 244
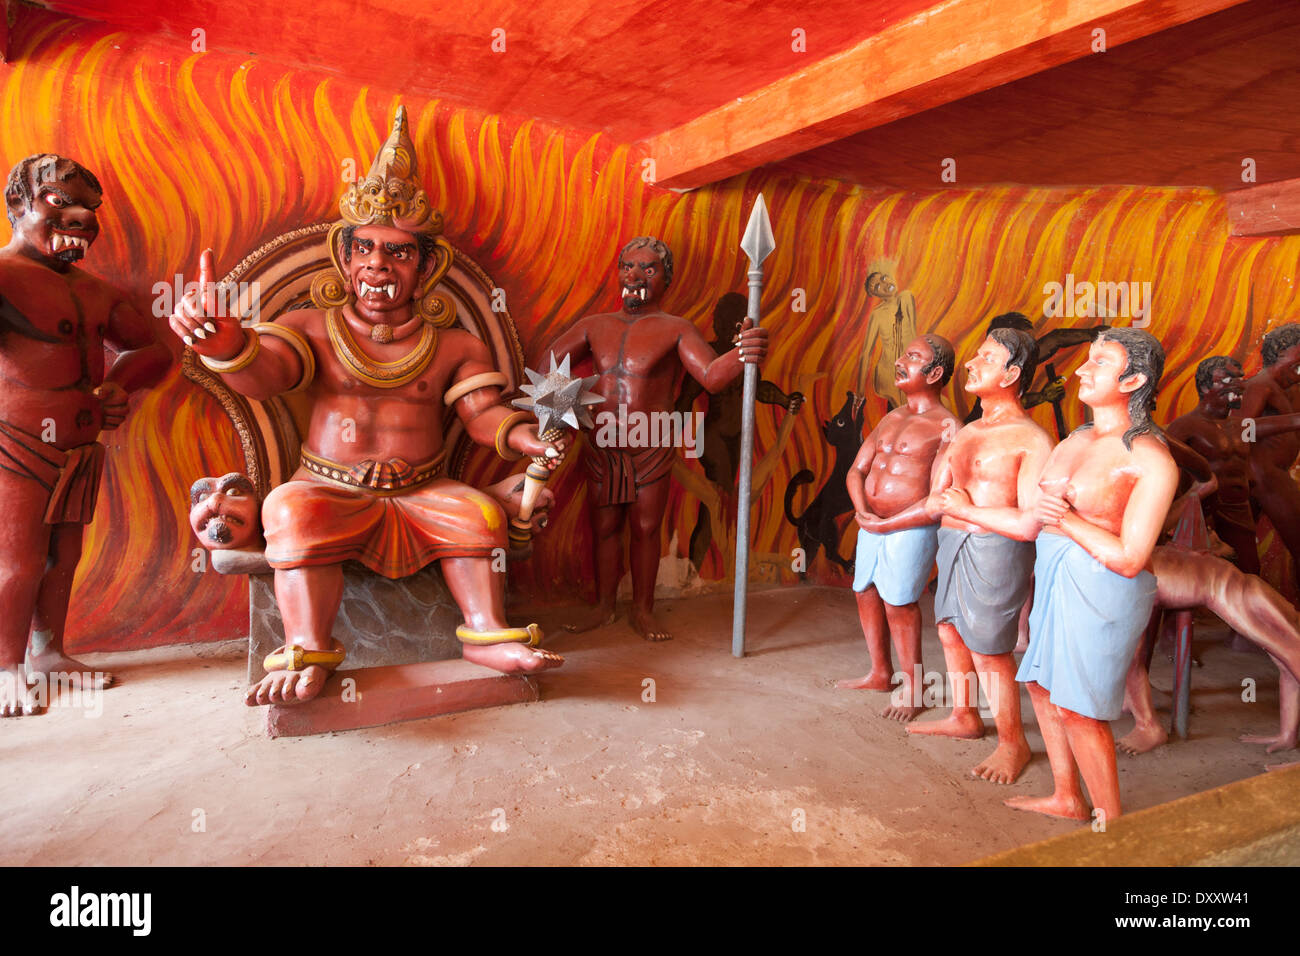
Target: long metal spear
757, 244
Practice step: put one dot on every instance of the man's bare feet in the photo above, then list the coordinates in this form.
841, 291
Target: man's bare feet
1273, 743
1004, 764
1070, 808
1142, 738
76, 673
645, 624
512, 658
872, 681
18, 698
287, 687
965, 724
590, 619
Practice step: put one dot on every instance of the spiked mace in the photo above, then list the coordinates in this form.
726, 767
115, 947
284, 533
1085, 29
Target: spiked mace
558, 400
757, 244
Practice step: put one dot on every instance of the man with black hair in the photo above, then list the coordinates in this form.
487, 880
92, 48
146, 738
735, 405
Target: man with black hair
983, 482
1275, 390
897, 538
1048, 345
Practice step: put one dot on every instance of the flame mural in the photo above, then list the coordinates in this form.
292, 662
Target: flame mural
213, 151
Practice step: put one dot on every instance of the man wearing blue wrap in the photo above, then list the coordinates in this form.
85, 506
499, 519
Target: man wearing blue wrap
1102, 501
982, 484
888, 484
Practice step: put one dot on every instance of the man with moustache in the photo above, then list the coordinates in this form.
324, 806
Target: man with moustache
982, 483
59, 393
640, 353
888, 483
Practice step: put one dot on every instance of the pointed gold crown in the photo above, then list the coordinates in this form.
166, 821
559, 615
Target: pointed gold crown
391, 195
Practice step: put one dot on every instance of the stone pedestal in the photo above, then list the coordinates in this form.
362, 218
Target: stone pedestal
385, 695
381, 622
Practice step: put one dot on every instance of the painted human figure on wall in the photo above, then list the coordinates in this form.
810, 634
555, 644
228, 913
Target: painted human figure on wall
891, 325
60, 391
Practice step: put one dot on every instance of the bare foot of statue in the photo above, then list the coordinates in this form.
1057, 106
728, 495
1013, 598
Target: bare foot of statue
287, 687
1273, 742
592, 618
73, 672
513, 658
1004, 764
17, 697
1142, 738
965, 724
873, 681
1070, 808
900, 712
645, 624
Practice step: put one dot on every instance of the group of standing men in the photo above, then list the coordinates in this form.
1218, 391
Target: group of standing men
1007, 515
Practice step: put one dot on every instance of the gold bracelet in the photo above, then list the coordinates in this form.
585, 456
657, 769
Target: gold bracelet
298, 342
252, 345
510, 421
471, 384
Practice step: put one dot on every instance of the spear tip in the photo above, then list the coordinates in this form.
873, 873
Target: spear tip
758, 241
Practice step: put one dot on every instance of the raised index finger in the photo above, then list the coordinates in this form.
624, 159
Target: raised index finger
207, 290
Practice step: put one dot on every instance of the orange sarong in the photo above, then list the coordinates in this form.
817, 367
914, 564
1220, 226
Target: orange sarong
310, 522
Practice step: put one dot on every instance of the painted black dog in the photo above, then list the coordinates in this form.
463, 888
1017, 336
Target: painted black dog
817, 527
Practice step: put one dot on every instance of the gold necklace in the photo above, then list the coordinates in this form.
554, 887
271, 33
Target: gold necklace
372, 372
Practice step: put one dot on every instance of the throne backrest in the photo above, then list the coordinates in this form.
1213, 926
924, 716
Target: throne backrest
276, 278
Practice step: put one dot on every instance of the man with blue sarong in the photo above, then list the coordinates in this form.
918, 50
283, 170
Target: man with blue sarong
888, 483
1103, 499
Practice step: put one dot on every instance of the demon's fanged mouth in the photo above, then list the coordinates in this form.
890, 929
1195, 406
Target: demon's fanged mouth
641, 293
389, 290
66, 240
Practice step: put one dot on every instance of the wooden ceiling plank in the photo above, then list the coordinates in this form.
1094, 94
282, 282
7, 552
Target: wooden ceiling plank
1269, 209
942, 54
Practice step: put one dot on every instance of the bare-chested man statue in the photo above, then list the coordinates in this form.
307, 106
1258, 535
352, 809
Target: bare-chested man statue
380, 375
1275, 390
889, 483
56, 398
640, 353
982, 484
1102, 501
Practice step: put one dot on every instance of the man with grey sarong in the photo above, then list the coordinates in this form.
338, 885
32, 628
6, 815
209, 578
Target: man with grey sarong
982, 485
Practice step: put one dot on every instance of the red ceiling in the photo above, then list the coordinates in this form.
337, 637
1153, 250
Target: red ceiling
1182, 107
631, 67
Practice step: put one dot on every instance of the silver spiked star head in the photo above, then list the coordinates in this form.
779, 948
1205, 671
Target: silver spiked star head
557, 398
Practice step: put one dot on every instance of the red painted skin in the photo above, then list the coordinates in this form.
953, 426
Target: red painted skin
640, 353
403, 422
1112, 501
58, 385
889, 483
982, 482
1275, 390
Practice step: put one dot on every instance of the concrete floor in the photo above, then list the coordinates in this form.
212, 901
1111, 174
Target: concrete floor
718, 769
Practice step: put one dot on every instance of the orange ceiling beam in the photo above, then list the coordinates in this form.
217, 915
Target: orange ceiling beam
953, 49
1269, 209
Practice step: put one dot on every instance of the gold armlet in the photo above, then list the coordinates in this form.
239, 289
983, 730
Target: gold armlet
245, 358
298, 342
503, 431
474, 382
